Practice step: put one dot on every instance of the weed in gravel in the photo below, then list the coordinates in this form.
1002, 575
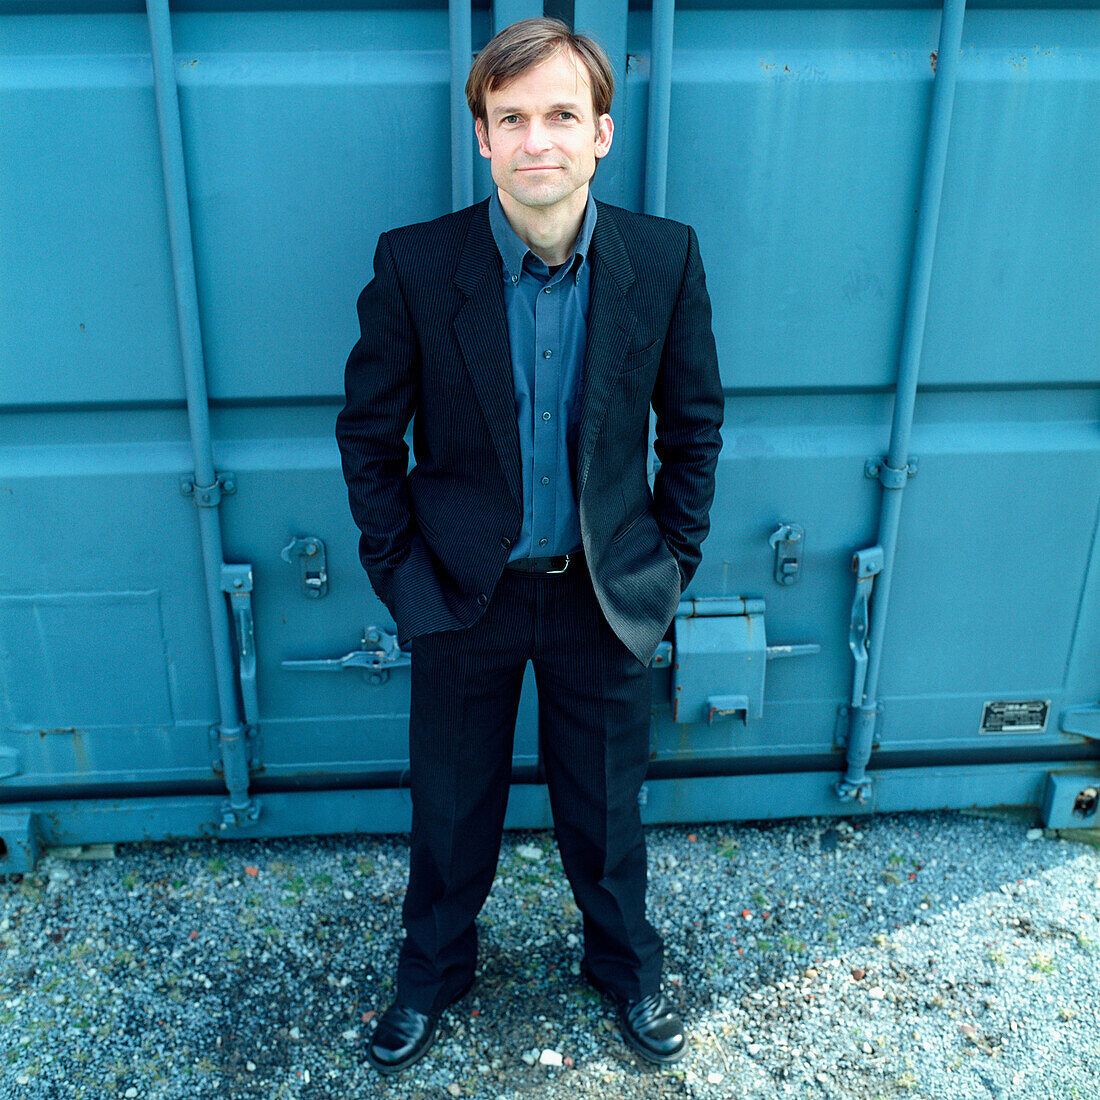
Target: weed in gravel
1042, 962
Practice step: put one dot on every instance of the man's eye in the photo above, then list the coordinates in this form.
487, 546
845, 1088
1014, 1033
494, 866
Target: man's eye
568, 116
509, 120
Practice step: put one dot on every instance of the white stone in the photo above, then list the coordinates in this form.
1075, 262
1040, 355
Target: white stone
550, 1058
529, 852
714, 1078
350, 1035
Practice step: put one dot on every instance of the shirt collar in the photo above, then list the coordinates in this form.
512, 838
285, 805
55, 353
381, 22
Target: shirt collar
513, 251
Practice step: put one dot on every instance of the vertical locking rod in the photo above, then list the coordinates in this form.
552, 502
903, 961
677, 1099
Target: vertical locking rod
462, 155
230, 728
660, 101
893, 476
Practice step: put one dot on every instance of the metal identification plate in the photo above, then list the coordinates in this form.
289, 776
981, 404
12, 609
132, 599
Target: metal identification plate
1029, 716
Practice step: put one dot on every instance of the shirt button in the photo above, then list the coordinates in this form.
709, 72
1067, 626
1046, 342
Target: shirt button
542, 542
483, 599
547, 353
545, 481
506, 542
548, 289
546, 416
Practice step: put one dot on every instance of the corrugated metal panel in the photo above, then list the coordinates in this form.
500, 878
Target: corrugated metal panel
796, 144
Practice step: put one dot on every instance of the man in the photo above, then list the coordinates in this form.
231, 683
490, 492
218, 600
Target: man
527, 337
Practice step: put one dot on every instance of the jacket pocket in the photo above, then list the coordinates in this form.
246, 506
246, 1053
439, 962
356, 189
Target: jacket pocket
623, 532
636, 359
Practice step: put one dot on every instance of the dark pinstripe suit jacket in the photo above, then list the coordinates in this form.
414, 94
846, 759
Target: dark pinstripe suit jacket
434, 349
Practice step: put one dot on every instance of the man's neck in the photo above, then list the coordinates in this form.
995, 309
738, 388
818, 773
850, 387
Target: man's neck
549, 232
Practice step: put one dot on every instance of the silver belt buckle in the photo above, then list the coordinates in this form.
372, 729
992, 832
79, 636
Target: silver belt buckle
554, 572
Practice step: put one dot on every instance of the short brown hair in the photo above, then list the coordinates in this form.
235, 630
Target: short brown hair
531, 42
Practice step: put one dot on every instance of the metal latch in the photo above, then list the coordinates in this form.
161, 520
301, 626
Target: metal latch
720, 644
866, 564
380, 652
237, 582
310, 553
787, 541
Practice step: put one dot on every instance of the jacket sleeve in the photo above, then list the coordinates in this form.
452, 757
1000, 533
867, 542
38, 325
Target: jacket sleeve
689, 403
381, 384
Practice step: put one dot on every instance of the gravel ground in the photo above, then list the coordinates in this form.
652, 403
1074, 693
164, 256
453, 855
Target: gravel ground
913, 955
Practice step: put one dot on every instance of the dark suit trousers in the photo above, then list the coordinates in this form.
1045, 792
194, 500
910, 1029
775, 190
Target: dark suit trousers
594, 715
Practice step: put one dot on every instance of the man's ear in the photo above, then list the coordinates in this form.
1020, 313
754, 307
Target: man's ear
605, 128
482, 137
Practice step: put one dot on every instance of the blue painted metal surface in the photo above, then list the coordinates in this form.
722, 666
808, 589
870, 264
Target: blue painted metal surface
797, 140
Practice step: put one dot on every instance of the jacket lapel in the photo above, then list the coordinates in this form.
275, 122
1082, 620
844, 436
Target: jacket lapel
610, 326
481, 328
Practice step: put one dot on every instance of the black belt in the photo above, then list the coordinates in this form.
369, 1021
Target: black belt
546, 565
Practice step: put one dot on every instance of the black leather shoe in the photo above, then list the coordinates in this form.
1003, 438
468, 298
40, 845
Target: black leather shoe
403, 1036
650, 1025
653, 1028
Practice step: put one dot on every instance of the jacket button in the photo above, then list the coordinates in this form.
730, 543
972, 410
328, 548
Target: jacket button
483, 599
506, 542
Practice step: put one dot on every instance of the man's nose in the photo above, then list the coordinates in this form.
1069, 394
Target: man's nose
537, 138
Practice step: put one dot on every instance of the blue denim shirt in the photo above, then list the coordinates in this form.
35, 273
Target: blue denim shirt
547, 332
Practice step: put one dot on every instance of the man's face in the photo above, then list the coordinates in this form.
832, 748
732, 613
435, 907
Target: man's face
543, 138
